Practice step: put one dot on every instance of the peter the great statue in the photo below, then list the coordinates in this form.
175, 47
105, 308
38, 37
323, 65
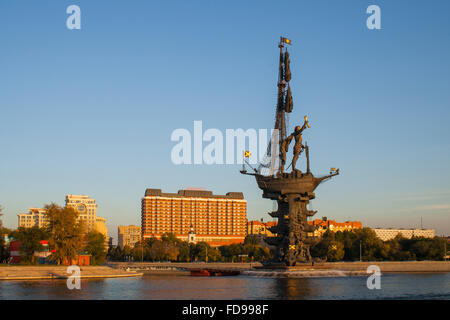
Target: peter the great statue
294, 190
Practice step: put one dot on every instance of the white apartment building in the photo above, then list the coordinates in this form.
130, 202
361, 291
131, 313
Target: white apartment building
128, 236
388, 234
87, 209
35, 217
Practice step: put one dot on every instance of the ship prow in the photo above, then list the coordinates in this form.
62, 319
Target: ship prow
286, 183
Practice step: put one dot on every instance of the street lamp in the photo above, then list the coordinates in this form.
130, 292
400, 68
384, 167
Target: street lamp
360, 250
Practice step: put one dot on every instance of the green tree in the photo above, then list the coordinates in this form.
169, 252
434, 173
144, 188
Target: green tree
65, 232
127, 252
115, 254
372, 247
184, 252
232, 251
95, 246
427, 249
251, 239
4, 251
335, 251
320, 249
201, 250
30, 242
170, 238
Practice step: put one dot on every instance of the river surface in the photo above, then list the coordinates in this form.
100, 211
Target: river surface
393, 286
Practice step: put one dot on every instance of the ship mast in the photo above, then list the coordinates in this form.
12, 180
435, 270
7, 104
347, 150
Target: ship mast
284, 76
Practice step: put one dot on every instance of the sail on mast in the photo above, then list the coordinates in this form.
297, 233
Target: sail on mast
284, 106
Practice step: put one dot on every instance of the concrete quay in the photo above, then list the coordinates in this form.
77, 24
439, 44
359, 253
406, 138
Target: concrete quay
355, 267
46, 272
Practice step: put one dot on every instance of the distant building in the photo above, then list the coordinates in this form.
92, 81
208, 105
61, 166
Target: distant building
321, 226
128, 236
81, 259
110, 243
191, 236
388, 234
215, 219
15, 251
87, 210
256, 227
35, 217
100, 226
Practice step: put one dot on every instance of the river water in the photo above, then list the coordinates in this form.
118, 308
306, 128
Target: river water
393, 286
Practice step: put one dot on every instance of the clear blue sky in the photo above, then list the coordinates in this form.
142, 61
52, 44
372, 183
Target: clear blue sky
91, 111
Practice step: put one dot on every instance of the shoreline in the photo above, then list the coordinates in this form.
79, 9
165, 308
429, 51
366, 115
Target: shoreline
45, 272
407, 267
139, 269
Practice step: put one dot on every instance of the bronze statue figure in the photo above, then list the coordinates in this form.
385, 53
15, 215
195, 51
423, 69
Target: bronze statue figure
284, 146
298, 146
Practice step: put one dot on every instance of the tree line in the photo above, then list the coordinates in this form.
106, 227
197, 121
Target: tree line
170, 248
365, 245
67, 238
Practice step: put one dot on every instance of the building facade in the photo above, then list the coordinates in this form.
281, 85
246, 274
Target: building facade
321, 226
100, 226
256, 227
35, 217
388, 234
16, 254
128, 236
215, 219
87, 210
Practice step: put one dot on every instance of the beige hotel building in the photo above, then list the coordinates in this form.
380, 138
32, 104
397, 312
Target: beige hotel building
128, 236
35, 217
87, 209
215, 219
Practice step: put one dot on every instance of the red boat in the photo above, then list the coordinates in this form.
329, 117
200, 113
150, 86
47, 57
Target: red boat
200, 273
213, 272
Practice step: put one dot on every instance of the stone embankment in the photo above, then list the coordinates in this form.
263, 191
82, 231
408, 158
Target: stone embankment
385, 266
42, 272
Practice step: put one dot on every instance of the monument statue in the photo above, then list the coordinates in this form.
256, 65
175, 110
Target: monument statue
298, 147
293, 191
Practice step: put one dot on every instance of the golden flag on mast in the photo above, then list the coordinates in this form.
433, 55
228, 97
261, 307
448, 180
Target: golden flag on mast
286, 40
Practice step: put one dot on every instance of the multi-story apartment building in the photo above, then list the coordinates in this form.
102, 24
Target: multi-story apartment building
215, 219
321, 226
256, 227
388, 234
128, 236
35, 217
87, 209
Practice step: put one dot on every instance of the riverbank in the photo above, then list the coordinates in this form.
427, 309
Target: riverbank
385, 266
137, 269
45, 272
389, 266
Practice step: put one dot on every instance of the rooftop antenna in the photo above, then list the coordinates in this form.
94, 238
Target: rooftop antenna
421, 224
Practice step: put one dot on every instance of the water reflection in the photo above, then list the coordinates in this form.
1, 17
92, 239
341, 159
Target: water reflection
289, 288
417, 286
